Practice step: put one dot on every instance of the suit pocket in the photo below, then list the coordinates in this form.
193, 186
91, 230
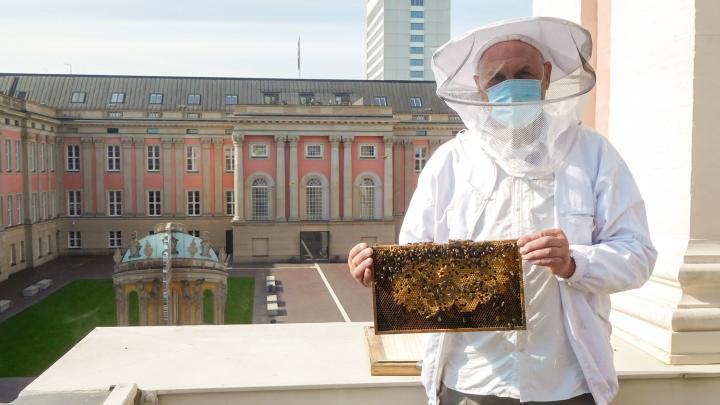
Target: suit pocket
579, 229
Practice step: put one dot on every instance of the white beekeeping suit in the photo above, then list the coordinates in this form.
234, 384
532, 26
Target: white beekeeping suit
525, 163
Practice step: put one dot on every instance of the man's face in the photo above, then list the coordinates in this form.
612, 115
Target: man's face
511, 60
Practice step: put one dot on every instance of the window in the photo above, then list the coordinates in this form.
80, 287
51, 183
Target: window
73, 158
10, 211
313, 151
39, 247
115, 114
115, 239
117, 98
33, 208
260, 200
22, 251
414, 74
193, 203
154, 203
155, 115
230, 202
193, 99
259, 151
380, 100
153, 131
417, 14
367, 199
53, 198
271, 98
43, 205
78, 97
31, 156
13, 255
367, 151
417, 38
313, 199
41, 158
113, 158
421, 132
115, 203
420, 158
419, 117
113, 130
417, 50
18, 155
191, 158
342, 98
416, 2
8, 154
417, 26
19, 205
192, 131
307, 98
417, 62
229, 159
192, 116
156, 98
153, 158
74, 240
74, 204
51, 158
415, 102
194, 233
231, 99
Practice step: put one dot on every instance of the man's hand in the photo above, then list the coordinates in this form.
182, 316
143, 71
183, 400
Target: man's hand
549, 248
360, 263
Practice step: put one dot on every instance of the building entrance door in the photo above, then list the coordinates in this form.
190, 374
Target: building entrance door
229, 242
314, 245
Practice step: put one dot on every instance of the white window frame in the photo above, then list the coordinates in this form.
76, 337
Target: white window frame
367, 199
74, 203
254, 152
78, 97
31, 156
74, 239
193, 207
51, 158
19, 203
256, 207
420, 158
117, 98
380, 101
41, 157
112, 153
152, 161
314, 157
114, 203
192, 153
44, 205
229, 154
157, 204
8, 155
231, 97
10, 211
155, 97
33, 208
229, 202
18, 156
366, 156
72, 161
194, 99
115, 239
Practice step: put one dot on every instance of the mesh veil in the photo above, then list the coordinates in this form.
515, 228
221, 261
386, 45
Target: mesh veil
524, 138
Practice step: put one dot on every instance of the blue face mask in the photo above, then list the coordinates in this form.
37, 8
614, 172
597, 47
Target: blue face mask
515, 91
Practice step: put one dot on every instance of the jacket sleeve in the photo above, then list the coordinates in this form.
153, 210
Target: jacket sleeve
621, 256
419, 222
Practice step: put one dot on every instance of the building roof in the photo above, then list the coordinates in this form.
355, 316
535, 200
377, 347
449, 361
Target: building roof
56, 90
186, 246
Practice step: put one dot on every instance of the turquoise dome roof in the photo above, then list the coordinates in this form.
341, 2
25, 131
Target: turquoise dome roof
186, 246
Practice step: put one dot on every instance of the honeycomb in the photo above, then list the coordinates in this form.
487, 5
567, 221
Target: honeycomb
457, 286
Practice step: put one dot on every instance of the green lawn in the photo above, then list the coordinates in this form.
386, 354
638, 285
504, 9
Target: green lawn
37, 337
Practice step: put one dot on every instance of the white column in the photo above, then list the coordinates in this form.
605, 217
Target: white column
238, 176
205, 142
294, 213
219, 168
280, 178
388, 178
335, 178
347, 178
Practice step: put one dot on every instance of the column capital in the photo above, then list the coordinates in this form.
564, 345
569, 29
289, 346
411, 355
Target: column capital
293, 139
138, 140
389, 139
280, 138
348, 138
166, 141
86, 139
205, 141
99, 142
59, 139
435, 141
126, 141
217, 140
406, 141
178, 140
237, 137
335, 139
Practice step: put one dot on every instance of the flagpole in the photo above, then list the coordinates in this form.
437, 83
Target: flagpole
299, 70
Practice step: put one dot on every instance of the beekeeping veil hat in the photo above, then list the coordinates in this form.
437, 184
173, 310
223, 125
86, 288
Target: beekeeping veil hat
526, 135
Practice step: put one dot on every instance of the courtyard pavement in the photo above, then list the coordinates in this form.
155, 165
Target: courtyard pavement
303, 294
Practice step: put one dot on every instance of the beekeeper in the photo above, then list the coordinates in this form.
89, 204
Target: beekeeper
526, 168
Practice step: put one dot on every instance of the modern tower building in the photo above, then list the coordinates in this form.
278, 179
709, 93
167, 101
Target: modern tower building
402, 36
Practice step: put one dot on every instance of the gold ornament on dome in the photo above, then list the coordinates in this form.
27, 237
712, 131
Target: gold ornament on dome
458, 286
148, 250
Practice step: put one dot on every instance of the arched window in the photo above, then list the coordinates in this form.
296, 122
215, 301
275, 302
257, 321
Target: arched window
260, 200
208, 307
314, 199
367, 199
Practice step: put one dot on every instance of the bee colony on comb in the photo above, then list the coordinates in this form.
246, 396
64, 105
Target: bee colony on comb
458, 286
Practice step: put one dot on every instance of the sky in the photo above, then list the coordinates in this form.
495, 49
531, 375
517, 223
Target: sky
215, 38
